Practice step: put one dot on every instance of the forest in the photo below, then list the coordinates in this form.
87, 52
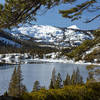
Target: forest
72, 88
14, 13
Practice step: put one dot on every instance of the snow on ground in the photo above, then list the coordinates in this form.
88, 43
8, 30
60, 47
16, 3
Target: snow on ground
91, 50
16, 57
51, 34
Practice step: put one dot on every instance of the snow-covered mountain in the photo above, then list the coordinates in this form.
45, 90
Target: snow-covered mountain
50, 34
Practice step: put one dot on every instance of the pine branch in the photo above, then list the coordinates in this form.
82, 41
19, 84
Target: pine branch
88, 21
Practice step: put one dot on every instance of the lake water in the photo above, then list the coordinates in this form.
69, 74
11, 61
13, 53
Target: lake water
40, 72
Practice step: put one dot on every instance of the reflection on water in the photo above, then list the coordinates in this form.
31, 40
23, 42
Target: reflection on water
40, 72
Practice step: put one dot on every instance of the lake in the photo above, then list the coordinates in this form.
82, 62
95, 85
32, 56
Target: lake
41, 72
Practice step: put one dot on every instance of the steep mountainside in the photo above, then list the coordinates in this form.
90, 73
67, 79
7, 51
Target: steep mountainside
13, 44
41, 36
88, 51
52, 35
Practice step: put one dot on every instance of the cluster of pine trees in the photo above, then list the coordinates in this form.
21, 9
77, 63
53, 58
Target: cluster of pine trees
78, 52
74, 79
72, 88
16, 87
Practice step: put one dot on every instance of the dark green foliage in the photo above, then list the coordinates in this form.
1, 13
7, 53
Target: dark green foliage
79, 78
51, 85
27, 46
75, 78
58, 83
89, 91
36, 86
75, 13
12, 90
6, 93
93, 55
67, 80
19, 79
90, 77
53, 79
78, 52
90, 67
16, 88
97, 33
14, 12
53, 76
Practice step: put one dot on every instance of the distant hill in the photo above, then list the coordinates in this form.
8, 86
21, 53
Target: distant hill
42, 38
88, 51
71, 35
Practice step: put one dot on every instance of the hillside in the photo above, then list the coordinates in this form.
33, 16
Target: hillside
71, 42
12, 44
69, 36
88, 51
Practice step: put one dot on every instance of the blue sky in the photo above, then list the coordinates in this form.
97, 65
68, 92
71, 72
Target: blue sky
52, 17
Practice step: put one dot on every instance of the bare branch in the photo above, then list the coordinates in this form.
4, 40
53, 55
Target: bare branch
88, 21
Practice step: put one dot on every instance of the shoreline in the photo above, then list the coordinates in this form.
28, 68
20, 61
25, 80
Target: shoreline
64, 61
40, 61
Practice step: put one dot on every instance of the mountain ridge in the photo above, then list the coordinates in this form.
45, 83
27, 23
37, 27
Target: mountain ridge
51, 34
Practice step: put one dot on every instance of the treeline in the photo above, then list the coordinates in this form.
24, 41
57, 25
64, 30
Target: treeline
78, 52
89, 91
72, 88
25, 46
40, 51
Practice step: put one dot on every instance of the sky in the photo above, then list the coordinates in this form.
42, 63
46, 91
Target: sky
52, 17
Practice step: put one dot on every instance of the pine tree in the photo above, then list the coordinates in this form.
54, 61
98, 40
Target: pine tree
75, 13
16, 88
51, 85
79, 79
20, 87
58, 82
6, 93
73, 78
14, 12
36, 86
53, 79
67, 80
13, 84
76, 78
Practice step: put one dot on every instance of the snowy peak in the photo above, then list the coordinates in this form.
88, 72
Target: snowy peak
29, 30
73, 27
51, 34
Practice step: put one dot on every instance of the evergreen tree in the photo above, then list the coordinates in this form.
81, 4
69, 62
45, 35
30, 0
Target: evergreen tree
20, 86
67, 80
36, 86
51, 85
76, 78
58, 82
16, 88
75, 13
90, 77
14, 12
12, 90
73, 78
79, 78
53, 79
6, 93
